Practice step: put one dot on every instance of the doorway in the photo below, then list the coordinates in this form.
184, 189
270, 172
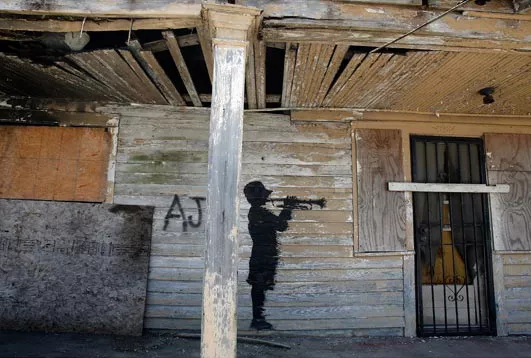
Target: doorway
452, 240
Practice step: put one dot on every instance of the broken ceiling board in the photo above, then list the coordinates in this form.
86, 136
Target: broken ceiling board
115, 8
343, 78
366, 71
94, 64
339, 54
37, 80
55, 25
178, 58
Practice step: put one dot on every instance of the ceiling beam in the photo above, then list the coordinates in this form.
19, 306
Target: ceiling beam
114, 8
375, 24
55, 25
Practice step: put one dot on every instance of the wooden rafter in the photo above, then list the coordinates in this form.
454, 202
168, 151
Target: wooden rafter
149, 63
183, 41
178, 58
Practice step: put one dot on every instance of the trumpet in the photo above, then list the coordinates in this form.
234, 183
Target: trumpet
297, 204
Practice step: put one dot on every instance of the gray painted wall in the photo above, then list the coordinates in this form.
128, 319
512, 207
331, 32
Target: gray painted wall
73, 266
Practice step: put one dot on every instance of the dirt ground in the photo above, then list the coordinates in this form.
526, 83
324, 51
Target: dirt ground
153, 344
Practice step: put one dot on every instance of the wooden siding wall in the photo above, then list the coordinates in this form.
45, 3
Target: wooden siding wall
509, 162
321, 285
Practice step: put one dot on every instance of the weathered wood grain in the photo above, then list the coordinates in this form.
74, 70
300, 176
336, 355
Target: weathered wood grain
511, 220
508, 152
381, 213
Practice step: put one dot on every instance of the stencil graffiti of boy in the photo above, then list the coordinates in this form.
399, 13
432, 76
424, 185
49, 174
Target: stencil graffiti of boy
263, 227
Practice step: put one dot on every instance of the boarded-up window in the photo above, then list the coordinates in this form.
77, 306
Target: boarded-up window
53, 163
509, 162
382, 217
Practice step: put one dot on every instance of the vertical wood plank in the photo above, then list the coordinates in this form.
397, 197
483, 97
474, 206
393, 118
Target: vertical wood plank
260, 68
355, 213
499, 294
410, 328
382, 216
111, 168
290, 58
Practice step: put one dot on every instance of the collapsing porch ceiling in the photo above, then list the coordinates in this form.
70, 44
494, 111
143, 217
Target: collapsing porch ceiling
169, 67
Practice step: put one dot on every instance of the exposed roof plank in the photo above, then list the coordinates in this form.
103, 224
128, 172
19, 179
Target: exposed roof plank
178, 58
339, 54
290, 57
54, 25
91, 64
298, 76
374, 66
156, 73
90, 87
311, 65
321, 67
154, 93
343, 79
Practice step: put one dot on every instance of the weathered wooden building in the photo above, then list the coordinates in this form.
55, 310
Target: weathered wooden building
406, 162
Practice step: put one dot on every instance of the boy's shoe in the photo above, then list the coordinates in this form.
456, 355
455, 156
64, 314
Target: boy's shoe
260, 324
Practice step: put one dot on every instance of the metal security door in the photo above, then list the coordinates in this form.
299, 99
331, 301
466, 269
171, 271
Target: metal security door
452, 242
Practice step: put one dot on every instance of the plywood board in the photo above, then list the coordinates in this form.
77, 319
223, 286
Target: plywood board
508, 152
73, 266
511, 213
382, 220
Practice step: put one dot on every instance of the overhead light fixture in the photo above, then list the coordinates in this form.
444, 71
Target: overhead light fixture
487, 93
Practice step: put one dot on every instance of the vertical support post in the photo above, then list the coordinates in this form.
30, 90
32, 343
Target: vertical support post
228, 26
